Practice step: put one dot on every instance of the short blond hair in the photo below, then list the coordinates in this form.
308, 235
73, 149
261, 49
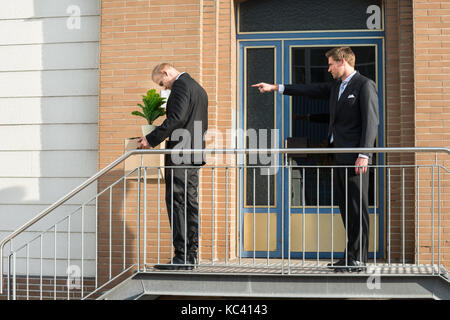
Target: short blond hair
159, 68
338, 54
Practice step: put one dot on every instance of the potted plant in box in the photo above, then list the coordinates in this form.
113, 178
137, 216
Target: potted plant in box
151, 110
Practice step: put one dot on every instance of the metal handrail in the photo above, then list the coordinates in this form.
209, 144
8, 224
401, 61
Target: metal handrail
125, 156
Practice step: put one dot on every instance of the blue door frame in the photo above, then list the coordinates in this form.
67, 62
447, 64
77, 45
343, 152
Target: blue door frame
282, 44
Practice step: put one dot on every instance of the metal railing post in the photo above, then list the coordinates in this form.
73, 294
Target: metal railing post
9, 277
239, 219
332, 217
254, 215
226, 216
68, 258
82, 251
289, 217
403, 216
360, 214
28, 272
199, 222
284, 159
417, 216
303, 218
145, 218
41, 269
389, 216
213, 208
185, 215
158, 216
138, 237
14, 286
171, 213
96, 241
375, 202
268, 219
439, 219
54, 263
318, 215
432, 218
124, 218
346, 216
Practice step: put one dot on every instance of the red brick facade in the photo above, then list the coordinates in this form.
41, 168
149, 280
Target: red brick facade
199, 37
431, 35
196, 37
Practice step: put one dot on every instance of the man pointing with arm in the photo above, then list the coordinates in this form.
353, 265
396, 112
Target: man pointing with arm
353, 101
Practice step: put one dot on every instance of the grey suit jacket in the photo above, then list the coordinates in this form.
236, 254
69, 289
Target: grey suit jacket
353, 118
186, 119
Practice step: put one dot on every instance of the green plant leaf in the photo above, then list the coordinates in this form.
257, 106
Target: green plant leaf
138, 113
151, 107
158, 113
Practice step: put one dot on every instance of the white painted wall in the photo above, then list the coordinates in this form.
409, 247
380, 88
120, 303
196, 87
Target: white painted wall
48, 119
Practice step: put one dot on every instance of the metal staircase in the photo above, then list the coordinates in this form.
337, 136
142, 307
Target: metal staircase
106, 247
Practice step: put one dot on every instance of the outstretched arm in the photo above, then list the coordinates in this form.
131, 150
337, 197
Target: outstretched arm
265, 87
315, 90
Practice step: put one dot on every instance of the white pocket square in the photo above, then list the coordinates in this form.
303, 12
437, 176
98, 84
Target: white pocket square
350, 96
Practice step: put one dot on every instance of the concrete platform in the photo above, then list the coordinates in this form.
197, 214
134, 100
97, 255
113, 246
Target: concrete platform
296, 280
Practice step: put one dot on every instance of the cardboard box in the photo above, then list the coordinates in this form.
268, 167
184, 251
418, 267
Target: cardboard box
147, 160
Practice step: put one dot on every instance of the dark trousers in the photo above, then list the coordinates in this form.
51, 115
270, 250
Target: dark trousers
352, 217
182, 207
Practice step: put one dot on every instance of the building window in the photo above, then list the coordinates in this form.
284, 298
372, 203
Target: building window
304, 15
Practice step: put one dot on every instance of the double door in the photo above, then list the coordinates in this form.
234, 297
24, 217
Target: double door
287, 203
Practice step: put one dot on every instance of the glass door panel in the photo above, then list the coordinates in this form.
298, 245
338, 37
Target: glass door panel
260, 122
260, 118
296, 202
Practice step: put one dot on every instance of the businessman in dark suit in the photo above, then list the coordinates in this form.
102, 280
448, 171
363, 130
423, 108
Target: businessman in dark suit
353, 101
185, 125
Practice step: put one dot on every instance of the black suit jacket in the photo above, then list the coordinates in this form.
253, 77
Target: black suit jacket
186, 120
353, 118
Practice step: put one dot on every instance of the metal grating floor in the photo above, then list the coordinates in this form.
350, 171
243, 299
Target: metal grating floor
308, 267
286, 279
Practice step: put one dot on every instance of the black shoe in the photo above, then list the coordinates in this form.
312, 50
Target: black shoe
352, 266
340, 263
177, 263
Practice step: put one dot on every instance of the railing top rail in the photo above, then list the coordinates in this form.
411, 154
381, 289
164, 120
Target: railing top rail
122, 158
292, 150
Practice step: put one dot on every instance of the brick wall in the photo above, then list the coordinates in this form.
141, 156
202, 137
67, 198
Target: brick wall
399, 126
198, 36
30, 289
416, 116
135, 36
432, 119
